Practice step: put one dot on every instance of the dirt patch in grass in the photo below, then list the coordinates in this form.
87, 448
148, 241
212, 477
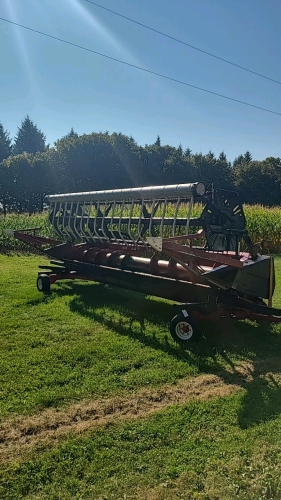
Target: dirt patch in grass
19, 434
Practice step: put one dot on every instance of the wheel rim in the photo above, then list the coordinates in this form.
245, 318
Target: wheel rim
40, 284
184, 330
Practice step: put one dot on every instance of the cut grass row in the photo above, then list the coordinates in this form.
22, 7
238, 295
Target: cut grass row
89, 342
263, 223
83, 340
200, 451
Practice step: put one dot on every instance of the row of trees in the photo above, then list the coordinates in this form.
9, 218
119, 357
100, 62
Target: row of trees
30, 169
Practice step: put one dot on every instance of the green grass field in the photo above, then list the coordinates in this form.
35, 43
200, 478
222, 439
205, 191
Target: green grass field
98, 402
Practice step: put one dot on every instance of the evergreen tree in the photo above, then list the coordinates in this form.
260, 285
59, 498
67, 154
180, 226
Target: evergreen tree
222, 156
180, 150
72, 133
29, 138
247, 157
5, 144
242, 159
158, 141
238, 161
210, 156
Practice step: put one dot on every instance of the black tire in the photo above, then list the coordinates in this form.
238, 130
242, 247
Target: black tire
43, 283
184, 329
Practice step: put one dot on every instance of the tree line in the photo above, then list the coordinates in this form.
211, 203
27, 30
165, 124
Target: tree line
30, 169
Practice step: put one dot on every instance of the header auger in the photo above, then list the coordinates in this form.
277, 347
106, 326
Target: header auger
146, 240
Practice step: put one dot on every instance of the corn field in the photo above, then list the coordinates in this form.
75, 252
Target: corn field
22, 221
263, 223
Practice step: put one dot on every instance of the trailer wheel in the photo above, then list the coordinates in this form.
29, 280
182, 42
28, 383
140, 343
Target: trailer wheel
184, 329
43, 283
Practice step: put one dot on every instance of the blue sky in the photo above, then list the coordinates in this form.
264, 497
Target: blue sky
60, 86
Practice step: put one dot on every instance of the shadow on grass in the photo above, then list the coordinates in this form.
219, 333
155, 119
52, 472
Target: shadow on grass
44, 298
262, 401
224, 348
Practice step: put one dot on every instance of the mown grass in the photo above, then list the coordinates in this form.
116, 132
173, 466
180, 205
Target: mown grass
86, 339
89, 341
197, 451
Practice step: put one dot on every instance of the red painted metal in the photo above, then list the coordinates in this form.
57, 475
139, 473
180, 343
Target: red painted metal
33, 240
172, 249
147, 284
136, 267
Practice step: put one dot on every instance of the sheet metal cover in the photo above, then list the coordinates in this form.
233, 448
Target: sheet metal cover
185, 191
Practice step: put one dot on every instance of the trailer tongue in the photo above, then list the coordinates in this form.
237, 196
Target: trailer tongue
146, 240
